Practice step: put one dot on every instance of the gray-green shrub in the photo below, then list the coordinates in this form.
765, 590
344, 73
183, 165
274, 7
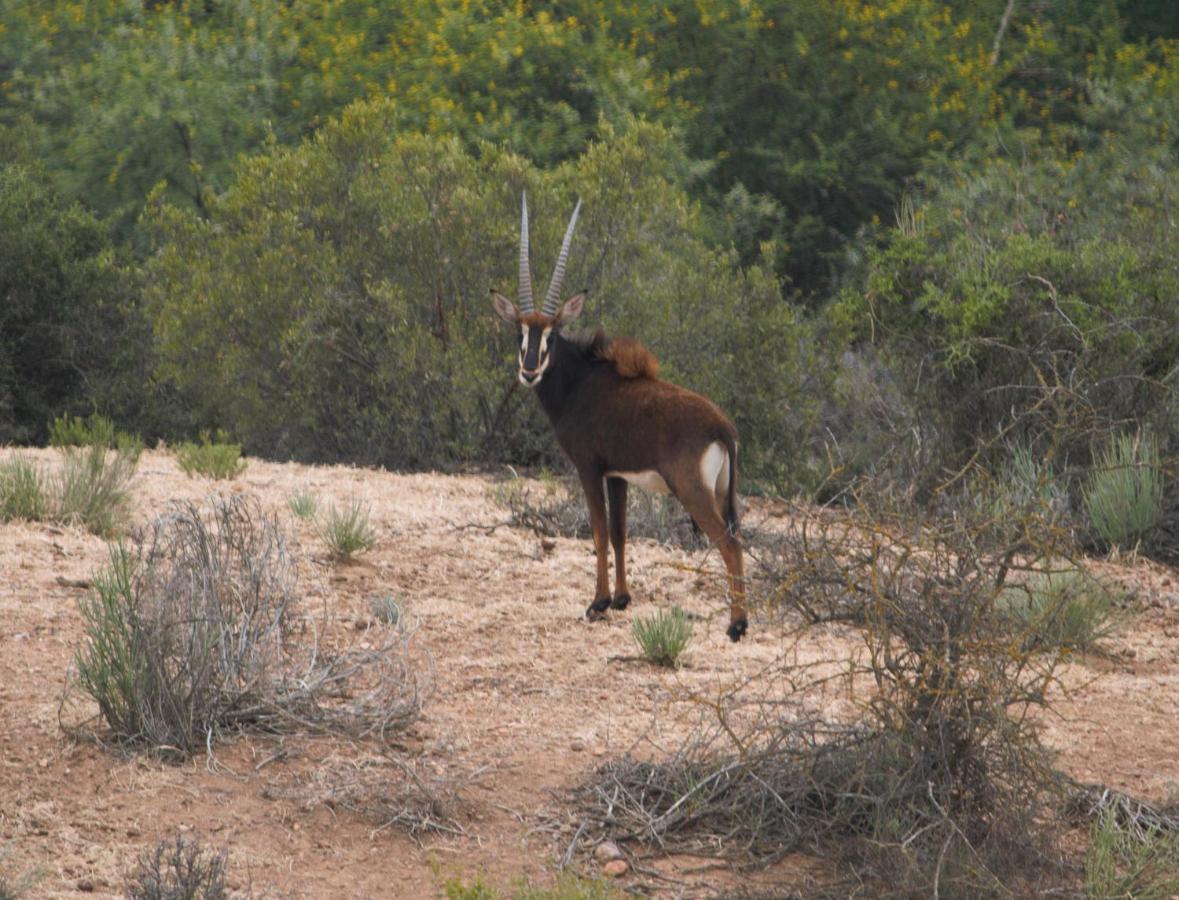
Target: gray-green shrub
91, 487
1123, 494
1063, 609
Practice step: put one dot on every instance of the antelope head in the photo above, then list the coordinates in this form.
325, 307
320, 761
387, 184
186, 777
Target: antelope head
536, 330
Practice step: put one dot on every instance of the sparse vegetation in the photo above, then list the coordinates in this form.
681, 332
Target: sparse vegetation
663, 636
179, 869
1124, 493
92, 487
189, 634
303, 504
1065, 609
214, 457
1130, 862
938, 785
569, 886
346, 531
385, 609
22, 490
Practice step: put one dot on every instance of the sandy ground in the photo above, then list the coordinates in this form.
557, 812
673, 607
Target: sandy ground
527, 697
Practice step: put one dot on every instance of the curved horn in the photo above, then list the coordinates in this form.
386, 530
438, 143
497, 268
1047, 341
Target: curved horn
525, 270
553, 297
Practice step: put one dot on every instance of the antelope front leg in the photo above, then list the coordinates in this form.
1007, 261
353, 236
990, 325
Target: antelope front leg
595, 498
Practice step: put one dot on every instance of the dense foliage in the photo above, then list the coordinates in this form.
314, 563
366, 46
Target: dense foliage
884, 236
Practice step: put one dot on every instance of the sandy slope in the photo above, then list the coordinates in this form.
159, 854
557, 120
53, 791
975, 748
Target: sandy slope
527, 697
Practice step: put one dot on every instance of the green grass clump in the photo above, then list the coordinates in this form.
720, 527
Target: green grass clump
1069, 609
1124, 492
1124, 862
664, 636
113, 666
346, 531
92, 488
22, 491
212, 457
303, 504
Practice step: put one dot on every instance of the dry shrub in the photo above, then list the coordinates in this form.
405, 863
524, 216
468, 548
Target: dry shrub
193, 631
940, 785
179, 869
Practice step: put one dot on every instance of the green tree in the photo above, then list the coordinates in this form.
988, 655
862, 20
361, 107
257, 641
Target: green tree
334, 305
71, 339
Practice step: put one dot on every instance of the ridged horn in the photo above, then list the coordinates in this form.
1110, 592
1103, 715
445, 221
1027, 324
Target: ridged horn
525, 270
553, 297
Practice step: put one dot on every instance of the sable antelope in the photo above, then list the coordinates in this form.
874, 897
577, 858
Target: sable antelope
619, 423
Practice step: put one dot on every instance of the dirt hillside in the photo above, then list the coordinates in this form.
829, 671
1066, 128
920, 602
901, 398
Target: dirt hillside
526, 697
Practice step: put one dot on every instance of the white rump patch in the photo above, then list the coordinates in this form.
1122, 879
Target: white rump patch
714, 469
648, 480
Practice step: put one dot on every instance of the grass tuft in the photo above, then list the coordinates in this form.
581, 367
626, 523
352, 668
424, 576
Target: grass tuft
385, 609
1069, 609
664, 636
92, 487
214, 458
1124, 492
304, 505
346, 531
1127, 862
22, 491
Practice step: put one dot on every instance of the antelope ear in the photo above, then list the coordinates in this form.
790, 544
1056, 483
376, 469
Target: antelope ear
505, 308
571, 308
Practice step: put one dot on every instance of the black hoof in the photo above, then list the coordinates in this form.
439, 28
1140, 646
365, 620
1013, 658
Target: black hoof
737, 630
620, 601
597, 609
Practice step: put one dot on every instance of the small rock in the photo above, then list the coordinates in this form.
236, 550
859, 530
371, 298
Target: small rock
616, 868
85, 885
607, 851
577, 745
548, 546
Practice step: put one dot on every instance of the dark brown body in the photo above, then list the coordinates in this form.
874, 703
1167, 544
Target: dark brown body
613, 414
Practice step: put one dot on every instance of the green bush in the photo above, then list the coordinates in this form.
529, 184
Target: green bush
1123, 494
664, 636
214, 458
1129, 862
362, 331
569, 886
22, 491
92, 488
75, 431
346, 531
1022, 299
1068, 609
